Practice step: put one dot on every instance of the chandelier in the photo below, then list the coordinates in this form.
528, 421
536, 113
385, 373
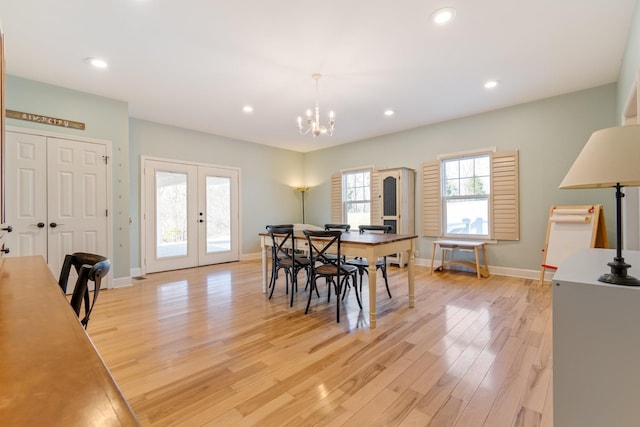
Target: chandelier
313, 121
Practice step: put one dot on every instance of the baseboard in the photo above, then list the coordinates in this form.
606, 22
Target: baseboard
426, 262
121, 282
250, 257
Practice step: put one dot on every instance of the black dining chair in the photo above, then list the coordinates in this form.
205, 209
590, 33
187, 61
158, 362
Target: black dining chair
363, 264
274, 254
286, 257
336, 227
335, 272
90, 268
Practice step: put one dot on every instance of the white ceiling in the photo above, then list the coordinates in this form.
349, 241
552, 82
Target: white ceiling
196, 63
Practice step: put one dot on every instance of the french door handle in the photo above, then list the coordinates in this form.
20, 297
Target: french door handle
54, 225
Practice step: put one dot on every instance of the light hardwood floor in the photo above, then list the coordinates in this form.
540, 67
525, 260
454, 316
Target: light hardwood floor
205, 346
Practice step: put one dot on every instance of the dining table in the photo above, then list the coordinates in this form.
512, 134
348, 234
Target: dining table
354, 244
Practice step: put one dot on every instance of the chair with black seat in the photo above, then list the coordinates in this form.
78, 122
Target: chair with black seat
381, 264
286, 257
275, 266
341, 227
89, 267
334, 227
334, 271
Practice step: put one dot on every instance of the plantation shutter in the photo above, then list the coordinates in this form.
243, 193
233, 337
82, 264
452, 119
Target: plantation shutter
336, 198
376, 199
431, 200
505, 196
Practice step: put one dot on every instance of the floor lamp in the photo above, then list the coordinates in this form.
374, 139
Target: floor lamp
611, 158
303, 189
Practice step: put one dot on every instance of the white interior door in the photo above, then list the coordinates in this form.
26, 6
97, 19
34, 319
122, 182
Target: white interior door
57, 197
26, 194
77, 199
191, 215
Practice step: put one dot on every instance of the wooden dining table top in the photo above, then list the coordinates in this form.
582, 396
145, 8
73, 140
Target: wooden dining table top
50, 372
361, 238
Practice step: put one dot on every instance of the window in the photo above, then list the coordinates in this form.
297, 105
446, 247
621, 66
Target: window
466, 189
356, 197
473, 195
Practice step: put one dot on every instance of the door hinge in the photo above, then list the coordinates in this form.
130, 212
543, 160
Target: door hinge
106, 159
106, 212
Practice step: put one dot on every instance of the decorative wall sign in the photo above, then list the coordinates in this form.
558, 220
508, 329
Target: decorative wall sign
11, 114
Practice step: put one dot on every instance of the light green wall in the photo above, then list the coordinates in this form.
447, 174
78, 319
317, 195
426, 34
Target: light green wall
267, 176
104, 119
549, 134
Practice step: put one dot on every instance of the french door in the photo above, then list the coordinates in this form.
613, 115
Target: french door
57, 197
190, 215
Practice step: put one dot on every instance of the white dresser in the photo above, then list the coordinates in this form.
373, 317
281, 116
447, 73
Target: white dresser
596, 343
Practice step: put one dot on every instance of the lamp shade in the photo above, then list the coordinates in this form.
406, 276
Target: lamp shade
610, 157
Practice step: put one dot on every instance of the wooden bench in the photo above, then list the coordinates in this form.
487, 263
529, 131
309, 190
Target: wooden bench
463, 245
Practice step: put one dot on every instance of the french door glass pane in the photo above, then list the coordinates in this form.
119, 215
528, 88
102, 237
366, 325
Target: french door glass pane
171, 214
218, 214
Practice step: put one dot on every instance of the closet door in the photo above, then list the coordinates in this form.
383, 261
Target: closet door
26, 194
58, 197
77, 208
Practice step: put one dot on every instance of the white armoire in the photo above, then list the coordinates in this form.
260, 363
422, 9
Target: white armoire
394, 203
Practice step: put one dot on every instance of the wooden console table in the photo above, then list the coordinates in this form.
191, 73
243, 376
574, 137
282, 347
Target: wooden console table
463, 245
50, 372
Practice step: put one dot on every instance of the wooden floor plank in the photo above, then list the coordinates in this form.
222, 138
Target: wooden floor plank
205, 346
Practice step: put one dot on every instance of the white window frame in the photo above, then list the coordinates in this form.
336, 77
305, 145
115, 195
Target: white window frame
444, 197
362, 201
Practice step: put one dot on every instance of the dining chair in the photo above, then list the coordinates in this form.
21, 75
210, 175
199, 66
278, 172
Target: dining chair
286, 257
362, 264
89, 267
341, 227
335, 272
274, 254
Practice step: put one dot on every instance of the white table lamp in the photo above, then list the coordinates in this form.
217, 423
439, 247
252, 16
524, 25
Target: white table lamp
611, 158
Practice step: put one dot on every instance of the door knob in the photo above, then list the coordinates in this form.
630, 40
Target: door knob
8, 229
39, 225
54, 225
5, 250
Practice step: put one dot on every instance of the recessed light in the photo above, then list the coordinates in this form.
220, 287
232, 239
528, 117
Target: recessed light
389, 112
444, 15
97, 62
491, 84
247, 109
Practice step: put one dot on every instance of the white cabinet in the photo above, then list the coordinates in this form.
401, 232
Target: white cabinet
396, 203
596, 343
